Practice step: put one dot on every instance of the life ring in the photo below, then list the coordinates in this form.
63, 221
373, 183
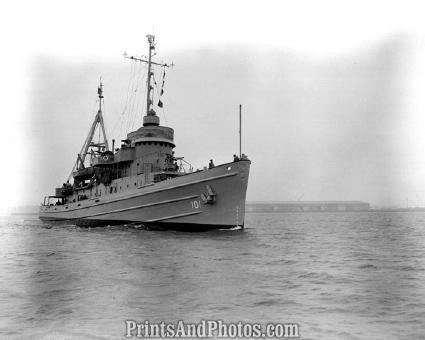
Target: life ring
105, 158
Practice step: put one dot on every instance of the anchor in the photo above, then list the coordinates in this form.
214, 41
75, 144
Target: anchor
209, 197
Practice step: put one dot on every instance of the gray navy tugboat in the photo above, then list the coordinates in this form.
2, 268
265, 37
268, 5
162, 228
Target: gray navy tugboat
142, 182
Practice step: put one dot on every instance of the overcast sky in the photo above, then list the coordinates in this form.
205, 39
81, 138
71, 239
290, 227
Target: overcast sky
332, 95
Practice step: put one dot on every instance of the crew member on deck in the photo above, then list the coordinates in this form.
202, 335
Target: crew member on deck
211, 165
235, 158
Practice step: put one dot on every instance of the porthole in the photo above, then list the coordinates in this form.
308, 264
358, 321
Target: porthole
229, 168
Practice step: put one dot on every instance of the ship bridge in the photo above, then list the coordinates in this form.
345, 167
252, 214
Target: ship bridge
152, 134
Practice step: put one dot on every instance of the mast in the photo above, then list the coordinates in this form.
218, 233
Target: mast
100, 94
101, 122
149, 87
98, 119
150, 118
240, 130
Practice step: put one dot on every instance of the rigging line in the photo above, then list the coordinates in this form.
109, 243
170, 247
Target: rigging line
74, 166
156, 85
114, 126
98, 127
153, 92
165, 117
138, 116
89, 125
162, 92
144, 93
82, 148
139, 99
133, 96
118, 132
136, 102
132, 91
139, 94
120, 116
107, 130
160, 95
98, 135
104, 113
116, 123
121, 123
130, 82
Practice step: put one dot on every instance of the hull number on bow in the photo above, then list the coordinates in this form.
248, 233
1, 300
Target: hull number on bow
195, 204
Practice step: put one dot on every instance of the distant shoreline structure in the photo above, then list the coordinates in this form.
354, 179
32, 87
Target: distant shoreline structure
281, 207
306, 206
321, 206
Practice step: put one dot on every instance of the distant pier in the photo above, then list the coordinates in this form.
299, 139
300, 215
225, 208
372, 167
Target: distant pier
307, 206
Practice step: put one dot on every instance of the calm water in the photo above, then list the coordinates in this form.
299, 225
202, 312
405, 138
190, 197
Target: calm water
338, 275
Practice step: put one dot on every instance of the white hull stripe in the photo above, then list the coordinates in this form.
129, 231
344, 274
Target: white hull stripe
144, 193
137, 206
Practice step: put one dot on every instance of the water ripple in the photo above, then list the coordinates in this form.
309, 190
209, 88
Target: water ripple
339, 275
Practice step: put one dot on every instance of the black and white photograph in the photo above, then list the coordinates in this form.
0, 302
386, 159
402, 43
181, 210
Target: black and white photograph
212, 169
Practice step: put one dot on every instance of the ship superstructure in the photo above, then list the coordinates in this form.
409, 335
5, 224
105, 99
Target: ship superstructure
143, 182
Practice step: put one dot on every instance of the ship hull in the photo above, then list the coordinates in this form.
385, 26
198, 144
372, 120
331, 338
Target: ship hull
203, 200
